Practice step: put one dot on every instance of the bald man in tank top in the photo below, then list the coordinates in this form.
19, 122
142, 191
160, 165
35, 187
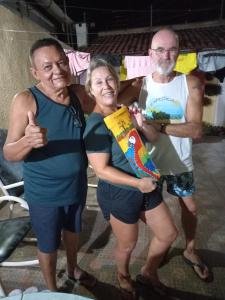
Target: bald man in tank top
173, 103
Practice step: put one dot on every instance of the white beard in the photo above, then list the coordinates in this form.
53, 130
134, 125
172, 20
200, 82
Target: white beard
162, 70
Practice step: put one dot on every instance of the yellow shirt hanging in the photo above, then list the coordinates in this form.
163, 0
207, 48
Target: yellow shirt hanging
123, 71
186, 63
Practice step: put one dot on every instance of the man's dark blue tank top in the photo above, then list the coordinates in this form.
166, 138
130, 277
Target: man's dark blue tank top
55, 175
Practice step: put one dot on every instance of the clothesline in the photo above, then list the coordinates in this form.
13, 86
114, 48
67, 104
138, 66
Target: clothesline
134, 66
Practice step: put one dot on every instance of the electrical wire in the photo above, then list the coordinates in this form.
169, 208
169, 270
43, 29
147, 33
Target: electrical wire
136, 10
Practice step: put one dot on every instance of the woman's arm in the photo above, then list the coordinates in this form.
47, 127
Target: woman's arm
99, 162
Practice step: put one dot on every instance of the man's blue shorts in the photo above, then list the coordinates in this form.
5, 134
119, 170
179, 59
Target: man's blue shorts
48, 222
124, 204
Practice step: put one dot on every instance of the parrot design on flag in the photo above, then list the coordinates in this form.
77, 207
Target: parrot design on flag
143, 166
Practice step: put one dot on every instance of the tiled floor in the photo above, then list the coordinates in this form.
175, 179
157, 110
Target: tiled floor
97, 242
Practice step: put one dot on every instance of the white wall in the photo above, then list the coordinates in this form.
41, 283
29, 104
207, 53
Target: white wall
17, 34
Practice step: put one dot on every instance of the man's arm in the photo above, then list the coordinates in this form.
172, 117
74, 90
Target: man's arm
193, 126
23, 132
129, 91
87, 103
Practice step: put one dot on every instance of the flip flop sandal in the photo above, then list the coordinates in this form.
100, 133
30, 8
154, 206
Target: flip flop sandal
85, 279
201, 266
159, 289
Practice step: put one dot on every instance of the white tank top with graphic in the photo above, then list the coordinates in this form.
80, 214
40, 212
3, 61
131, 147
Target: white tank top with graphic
166, 103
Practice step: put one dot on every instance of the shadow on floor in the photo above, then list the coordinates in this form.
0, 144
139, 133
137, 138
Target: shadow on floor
101, 291
211, 258
92, 218
181, 295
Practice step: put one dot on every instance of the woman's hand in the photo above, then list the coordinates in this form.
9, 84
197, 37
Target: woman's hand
146, 184
137, 117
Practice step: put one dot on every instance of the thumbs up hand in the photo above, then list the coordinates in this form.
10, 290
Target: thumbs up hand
36, 136
31, 118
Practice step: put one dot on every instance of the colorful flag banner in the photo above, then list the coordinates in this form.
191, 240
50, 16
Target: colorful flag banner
120, 123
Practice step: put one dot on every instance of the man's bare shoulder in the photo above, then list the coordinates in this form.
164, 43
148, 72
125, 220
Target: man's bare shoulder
23, 97
23, 101
192, 79
195, 84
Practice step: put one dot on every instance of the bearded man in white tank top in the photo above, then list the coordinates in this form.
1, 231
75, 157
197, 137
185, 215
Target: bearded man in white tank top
173, 103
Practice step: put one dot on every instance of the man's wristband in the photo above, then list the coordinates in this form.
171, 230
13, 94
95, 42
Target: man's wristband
163, 128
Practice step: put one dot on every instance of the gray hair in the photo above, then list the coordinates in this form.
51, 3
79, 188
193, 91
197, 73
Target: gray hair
95, 63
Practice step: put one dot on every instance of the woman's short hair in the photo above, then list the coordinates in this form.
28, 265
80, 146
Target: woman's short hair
95, 63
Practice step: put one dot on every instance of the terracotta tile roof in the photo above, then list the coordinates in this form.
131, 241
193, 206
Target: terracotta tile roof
197, 39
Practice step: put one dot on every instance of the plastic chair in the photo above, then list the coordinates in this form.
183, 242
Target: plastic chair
2, 292
13, 230
92, 183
